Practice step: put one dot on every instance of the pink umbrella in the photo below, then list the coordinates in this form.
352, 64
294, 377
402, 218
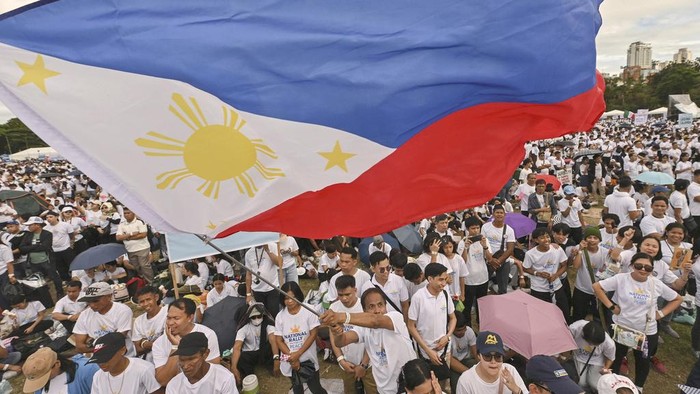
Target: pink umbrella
527, 325
556, 183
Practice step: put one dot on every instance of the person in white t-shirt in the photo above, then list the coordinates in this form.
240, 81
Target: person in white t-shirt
179, 323
328, 262
198, 374
383, 333
417, 378
63, 238
622, 204
499, 234
264, 261
347, 262
545, 263
289, 250
583, 299
655, 224
460, 271
463, 350
220, 290
678, 200
223, 267
571, 211
118, 373
251, 347
523, 192
431, 320
352, 358
378, 245
103, 316
491, 375
634, 306
392, 285
151, 325
68, 309
29, 316
477, 252
295, 331
595, 351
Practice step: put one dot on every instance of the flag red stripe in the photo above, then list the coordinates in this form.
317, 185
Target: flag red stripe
459, 161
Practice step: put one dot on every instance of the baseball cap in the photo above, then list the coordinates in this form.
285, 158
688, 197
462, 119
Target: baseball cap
106, 347
378, 239
489, 342
569, 189
95, 291
609, 383
34, 220
192, 343
37, 369
545, 369
660, 189
67, 208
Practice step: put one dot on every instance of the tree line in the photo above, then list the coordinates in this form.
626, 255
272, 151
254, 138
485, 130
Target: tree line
15, 136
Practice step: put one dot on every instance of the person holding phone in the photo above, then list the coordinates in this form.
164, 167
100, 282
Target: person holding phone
477, 252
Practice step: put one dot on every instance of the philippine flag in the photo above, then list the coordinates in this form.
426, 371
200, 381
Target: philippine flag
312, 118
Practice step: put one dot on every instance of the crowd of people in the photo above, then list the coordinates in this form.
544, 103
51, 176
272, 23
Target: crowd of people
401, 322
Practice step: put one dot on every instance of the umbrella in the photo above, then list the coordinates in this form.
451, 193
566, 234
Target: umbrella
97, 255
364, 245
75, 173
626, 126
556, 183
655, 178
564, 143
409, 238
221, 318
527, 325
521, 224
25, 203
587, 152
49, 175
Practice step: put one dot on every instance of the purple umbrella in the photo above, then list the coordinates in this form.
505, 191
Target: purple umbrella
521, 224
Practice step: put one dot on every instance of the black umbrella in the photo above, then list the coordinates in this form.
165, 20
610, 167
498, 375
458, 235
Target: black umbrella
49, 175
409, 238
626, 126
221, 319
587, 152
25, 203
75, 173
97, 255
564, 143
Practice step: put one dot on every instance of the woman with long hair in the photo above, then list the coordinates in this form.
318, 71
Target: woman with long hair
295, 331
48, 371
417, 378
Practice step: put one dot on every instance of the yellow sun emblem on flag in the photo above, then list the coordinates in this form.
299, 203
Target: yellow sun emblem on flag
213, 153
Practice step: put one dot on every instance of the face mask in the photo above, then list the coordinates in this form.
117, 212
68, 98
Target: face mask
256, 320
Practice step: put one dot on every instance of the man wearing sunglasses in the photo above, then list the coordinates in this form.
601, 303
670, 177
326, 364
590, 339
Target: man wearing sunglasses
490, 375
390, 284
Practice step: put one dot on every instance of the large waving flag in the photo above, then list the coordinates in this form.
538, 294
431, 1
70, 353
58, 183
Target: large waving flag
312, 118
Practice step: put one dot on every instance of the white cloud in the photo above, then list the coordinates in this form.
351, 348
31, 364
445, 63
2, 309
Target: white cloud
5, 114
667, 25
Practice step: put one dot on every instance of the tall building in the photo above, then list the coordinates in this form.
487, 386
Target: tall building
683, 55
639, 54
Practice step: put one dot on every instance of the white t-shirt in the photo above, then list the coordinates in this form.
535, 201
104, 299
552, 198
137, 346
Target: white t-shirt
636, 300
162, 346
250, 336
523, 193
58, 385
394, 288
461, 347
361, 277
61, 235
139, 377
696, 271
214, 296
678, 200
471, 383
132, 227
601, 352
684, 165
386, 248
354, 351
667, 250
68, 307
114, 275
430, 314
459, 270
572, 220
494, 235
476, 264
424, 259
549, 262
28, 314
621, 204
5, 257
258, 260
224, 267
692, 192
326, 262
95, 325
386, 365
295, 329
287, 246
150, 329
651, 224
598, 263
218, 380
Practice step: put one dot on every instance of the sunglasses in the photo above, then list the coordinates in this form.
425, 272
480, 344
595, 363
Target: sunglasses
384, 269
493, 356
640, 266
256, 317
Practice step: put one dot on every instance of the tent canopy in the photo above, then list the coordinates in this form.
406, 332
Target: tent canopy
34, 153
659, 111
615, 112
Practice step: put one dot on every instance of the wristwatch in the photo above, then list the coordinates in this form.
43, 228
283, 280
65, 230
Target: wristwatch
364, 366
612, 306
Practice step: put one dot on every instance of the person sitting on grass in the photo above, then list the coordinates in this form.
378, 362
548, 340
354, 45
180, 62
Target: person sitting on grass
29, 316
251, 348
197, 374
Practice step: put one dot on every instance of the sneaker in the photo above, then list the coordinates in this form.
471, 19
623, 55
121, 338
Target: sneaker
684, 319
670, 331
9, 375
624, 367
326, 354
658, 365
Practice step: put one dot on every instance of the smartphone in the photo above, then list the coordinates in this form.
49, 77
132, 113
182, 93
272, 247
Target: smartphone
476, 238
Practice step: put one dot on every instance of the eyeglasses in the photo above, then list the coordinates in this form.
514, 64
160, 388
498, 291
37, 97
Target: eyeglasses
493, 356
384, 269
543, 388
640, 266
256, 317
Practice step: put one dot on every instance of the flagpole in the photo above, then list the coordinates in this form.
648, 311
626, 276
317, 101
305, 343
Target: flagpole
230, 258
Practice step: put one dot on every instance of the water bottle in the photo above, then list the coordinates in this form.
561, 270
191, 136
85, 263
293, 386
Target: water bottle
359, 387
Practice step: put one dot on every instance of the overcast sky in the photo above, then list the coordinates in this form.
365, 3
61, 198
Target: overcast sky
668, 25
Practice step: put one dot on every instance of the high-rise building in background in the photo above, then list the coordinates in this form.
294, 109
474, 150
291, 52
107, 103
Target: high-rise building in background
639, 55
683, 55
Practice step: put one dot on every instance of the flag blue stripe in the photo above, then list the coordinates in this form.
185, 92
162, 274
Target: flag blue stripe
383, 70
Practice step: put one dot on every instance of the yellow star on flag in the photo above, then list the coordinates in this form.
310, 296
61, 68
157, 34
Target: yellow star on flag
337, 157
36, 73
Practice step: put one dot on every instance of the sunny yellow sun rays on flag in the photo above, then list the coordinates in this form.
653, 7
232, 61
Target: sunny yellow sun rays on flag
213, 153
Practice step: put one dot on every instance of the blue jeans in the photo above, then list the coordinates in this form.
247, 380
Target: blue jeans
12, 359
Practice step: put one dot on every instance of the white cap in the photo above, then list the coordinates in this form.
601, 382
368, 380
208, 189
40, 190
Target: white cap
34, 220
609, 383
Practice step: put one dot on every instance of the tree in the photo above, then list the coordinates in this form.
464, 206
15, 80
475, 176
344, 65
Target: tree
678, 78
17, 136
